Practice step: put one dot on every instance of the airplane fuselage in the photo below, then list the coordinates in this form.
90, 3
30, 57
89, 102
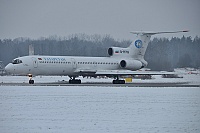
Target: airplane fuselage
62, 65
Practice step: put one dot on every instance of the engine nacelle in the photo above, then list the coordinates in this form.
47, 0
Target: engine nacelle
131, 64
117, 51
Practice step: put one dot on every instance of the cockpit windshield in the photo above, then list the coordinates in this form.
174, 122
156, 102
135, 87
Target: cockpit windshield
16, 61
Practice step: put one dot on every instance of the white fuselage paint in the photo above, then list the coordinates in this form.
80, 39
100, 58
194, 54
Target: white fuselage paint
61, 65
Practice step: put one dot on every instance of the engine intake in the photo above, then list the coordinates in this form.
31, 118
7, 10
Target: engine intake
123, 64
110, 51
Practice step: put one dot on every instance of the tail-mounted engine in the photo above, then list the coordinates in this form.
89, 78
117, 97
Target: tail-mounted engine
131, 64
117, 51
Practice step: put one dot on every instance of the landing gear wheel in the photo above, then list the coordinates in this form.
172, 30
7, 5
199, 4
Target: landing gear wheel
74, 81
31, 81
118, 81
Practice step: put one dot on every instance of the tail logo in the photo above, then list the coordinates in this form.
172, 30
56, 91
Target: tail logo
138, 43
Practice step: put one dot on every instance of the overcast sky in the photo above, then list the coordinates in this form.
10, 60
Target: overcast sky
36, 18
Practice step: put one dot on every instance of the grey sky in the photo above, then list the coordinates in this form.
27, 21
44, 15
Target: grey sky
36, 18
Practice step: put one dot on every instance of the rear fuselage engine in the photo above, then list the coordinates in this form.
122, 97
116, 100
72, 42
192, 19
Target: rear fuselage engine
117, 51
131, 64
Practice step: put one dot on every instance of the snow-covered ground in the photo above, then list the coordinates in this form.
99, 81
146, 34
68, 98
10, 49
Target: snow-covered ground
74, 109
189, 76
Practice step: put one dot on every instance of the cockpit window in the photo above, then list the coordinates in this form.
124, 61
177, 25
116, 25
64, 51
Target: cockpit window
16, 61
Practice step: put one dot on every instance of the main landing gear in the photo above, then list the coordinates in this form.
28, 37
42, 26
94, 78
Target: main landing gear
74, 81
31, 81
78, 81
118, 81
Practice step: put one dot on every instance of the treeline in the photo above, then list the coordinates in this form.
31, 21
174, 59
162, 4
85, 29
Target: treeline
165, 54
161, 54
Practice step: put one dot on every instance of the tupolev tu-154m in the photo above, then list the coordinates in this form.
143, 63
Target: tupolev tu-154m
121, 61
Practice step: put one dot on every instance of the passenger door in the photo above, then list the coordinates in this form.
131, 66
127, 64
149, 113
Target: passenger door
35, 62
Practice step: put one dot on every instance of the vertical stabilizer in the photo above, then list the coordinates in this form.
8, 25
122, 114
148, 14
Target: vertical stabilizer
139, 45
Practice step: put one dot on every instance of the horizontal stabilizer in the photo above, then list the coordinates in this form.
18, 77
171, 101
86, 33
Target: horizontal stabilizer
153, 33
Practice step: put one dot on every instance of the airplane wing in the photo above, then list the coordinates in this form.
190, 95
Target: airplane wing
121, 72
128, 72
85, 71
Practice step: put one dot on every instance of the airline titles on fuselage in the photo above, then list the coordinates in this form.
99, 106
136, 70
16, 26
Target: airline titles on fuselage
53, 59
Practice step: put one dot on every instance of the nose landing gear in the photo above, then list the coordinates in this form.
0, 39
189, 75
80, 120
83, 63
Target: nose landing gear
31, 81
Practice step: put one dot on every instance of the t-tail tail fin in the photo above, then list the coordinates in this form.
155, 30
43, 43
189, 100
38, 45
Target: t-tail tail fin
139, 45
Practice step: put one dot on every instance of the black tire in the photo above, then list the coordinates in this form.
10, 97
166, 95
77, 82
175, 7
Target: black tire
31, 81
76, 81
118, 81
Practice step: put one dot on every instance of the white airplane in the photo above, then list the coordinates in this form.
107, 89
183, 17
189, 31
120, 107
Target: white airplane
122, 61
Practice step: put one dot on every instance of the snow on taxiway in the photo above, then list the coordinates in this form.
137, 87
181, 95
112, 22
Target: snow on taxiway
28, 109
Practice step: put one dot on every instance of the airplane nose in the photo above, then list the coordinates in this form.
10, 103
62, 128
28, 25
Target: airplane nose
8, 68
